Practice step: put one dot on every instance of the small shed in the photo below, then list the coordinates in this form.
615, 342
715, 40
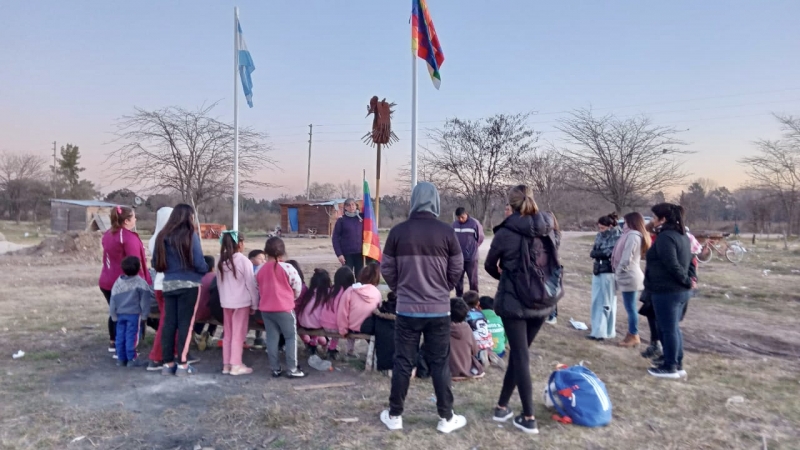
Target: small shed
313, 216
79, 215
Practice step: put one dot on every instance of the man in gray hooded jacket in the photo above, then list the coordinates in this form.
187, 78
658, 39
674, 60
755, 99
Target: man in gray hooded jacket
422, 261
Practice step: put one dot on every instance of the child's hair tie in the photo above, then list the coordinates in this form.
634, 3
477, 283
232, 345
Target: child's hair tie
233, 233
119, 209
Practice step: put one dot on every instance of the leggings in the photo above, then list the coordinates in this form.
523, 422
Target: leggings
112, 326
520, 334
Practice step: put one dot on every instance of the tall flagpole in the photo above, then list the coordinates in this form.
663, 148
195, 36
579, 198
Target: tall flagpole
235, 118
413, 119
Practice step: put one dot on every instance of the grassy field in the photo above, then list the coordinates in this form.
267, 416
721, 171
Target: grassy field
742, 391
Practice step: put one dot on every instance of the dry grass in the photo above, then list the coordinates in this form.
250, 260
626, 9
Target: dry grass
743, 344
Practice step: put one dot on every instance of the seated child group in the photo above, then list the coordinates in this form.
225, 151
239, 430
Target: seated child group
242, 291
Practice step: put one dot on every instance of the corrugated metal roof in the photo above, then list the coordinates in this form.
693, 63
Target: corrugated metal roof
333, 202
86, 203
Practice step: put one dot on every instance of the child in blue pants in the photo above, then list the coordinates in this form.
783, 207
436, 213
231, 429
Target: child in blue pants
129, 304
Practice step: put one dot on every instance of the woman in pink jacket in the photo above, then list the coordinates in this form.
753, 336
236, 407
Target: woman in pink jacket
118, 243
328, 318
360, 300
238, 296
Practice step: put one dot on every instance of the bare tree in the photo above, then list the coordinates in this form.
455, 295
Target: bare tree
775, 170
319, 191
424, 173
190, 152
475, 159
22, 183
348, 189
621, 161
547, 173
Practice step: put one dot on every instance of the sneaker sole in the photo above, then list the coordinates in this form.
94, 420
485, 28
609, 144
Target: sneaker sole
503, 419
450, 431
526, 430
667, 376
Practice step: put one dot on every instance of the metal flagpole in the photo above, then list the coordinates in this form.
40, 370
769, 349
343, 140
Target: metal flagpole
413, 119
236, 118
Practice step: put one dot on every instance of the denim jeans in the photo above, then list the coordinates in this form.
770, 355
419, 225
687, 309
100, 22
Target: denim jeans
604, 306
669, 308
629, 300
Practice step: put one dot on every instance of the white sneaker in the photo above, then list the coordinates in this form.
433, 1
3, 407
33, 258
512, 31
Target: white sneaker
456, 422
392, 423
682, 373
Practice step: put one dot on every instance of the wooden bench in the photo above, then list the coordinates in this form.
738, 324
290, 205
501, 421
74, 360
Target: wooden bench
370, 362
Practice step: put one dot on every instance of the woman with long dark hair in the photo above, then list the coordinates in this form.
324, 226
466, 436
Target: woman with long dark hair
179, 256
604, 296
669, 278
522, 310
119, 242
626, 261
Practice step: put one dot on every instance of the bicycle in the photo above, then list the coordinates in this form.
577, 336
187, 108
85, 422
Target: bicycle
733, 251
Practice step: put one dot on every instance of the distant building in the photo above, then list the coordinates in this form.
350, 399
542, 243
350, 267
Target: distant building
312, 217
79, 215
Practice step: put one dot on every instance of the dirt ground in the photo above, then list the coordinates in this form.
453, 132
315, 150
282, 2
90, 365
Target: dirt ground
742, 390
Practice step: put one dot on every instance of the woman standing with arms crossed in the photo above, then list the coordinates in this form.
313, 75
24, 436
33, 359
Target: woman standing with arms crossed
522, 316
627, 263
669, 277
118, 243
604, 295
179, 256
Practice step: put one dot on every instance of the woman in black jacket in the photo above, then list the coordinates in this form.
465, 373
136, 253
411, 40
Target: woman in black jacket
669, 277
524, 244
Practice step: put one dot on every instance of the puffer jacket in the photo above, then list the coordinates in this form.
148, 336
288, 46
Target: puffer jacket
505, 252
603, 248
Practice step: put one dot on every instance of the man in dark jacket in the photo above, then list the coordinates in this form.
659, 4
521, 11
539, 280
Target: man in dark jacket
470, 236
422, 261
348, 237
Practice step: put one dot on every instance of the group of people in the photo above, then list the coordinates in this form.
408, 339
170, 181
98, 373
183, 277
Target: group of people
665, 285
424, 259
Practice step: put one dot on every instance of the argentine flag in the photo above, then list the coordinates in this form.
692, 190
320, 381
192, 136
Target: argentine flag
246, 66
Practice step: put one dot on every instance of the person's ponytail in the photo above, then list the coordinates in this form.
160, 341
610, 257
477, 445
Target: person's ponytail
118, 216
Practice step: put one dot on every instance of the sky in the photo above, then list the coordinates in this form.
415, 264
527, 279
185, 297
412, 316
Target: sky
714, 69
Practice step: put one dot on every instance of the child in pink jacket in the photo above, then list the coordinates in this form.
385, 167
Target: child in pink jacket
328, 319
238, 296
278, 286
310, 305
360, 300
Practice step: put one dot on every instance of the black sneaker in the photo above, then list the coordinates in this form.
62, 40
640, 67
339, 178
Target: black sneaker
311, 349
657, 362
277, 373
526, 425
592, 338
135, 363
296, 373
259, 343
663, 372
154, 366
502, 414
652, 351
333, 355
121, 363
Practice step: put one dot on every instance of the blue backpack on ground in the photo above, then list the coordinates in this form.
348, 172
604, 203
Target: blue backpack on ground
577, 394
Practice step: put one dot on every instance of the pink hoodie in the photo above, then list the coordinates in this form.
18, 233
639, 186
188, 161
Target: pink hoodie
307, 318
328, 317
356, 305
241, 291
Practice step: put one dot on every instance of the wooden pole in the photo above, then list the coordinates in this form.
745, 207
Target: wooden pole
378, 190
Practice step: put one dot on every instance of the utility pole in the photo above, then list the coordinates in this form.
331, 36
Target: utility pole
54, 169
308, 177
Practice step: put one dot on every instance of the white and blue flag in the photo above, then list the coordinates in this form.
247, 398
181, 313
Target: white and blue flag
246, 66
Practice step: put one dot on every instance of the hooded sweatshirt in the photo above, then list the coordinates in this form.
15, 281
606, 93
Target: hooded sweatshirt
240, 291
626, 261
422, 259
162, 216
357, 303
463, 350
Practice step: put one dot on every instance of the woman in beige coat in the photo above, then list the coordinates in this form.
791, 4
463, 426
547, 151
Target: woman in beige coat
626, 261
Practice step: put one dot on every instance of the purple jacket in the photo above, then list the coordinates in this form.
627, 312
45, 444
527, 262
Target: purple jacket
348, 236
470, 237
